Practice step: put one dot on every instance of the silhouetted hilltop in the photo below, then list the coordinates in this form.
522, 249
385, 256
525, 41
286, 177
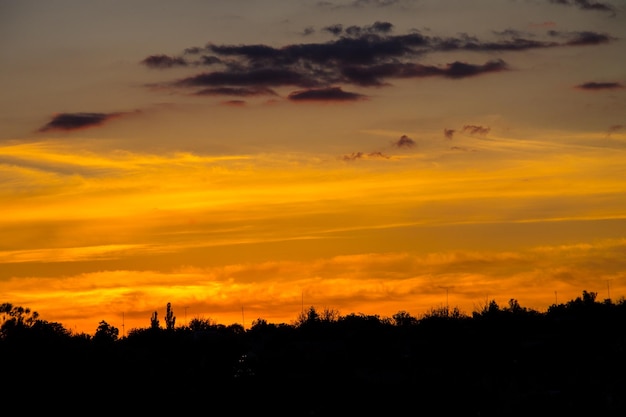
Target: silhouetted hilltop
500, 361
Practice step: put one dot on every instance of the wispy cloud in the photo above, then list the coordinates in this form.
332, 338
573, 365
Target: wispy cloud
376, 75
614, 128
462, 148
476, 130
357, 31
404, 142
586, 5
592, 85
77, 254
380, 283
363, 155
163, 61
234, 103
582, 38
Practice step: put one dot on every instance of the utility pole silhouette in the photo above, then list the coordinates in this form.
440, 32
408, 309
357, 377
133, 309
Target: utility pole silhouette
185, 314
608, 288
123, 328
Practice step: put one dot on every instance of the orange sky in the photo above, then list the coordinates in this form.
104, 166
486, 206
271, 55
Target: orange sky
238, 183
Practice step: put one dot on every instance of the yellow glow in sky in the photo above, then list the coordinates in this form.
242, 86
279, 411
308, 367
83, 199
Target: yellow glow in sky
215, 234
368, 157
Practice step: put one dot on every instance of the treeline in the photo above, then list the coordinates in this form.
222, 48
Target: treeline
499, 361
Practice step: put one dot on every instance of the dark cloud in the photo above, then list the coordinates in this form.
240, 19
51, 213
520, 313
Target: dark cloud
193, 50
368, 48
583, 38
374, 75
361, 155
254, 77
476, 130
255, 53
510, 33
336, 29
163, 61
324, 94
471, 43
353, 156
586, 5
367, 56
209, 60
462, 69
448, 133
76, 121
236, 91
377, 27
589, 38
356, 45
600, 86
404, 142
364, 45
378, 154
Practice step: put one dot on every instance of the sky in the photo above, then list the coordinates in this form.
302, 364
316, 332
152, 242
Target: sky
246, 160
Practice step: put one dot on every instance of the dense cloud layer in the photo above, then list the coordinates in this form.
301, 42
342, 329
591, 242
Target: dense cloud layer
363, 56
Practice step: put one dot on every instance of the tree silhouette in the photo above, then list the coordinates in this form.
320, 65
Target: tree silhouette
507, 361
154, 321
105, 333
15, 319
404, 319
170, 319
307, 317
329, 315
199, 324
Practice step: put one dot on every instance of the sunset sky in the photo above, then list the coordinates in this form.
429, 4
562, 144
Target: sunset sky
245, 159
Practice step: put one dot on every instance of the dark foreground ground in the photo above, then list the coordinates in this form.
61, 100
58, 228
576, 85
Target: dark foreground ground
501, 364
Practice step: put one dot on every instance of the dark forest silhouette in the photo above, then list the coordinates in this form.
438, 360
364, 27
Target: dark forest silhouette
498, 361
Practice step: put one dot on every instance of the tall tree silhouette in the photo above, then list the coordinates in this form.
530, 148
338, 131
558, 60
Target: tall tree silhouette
154, 321
170, 319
